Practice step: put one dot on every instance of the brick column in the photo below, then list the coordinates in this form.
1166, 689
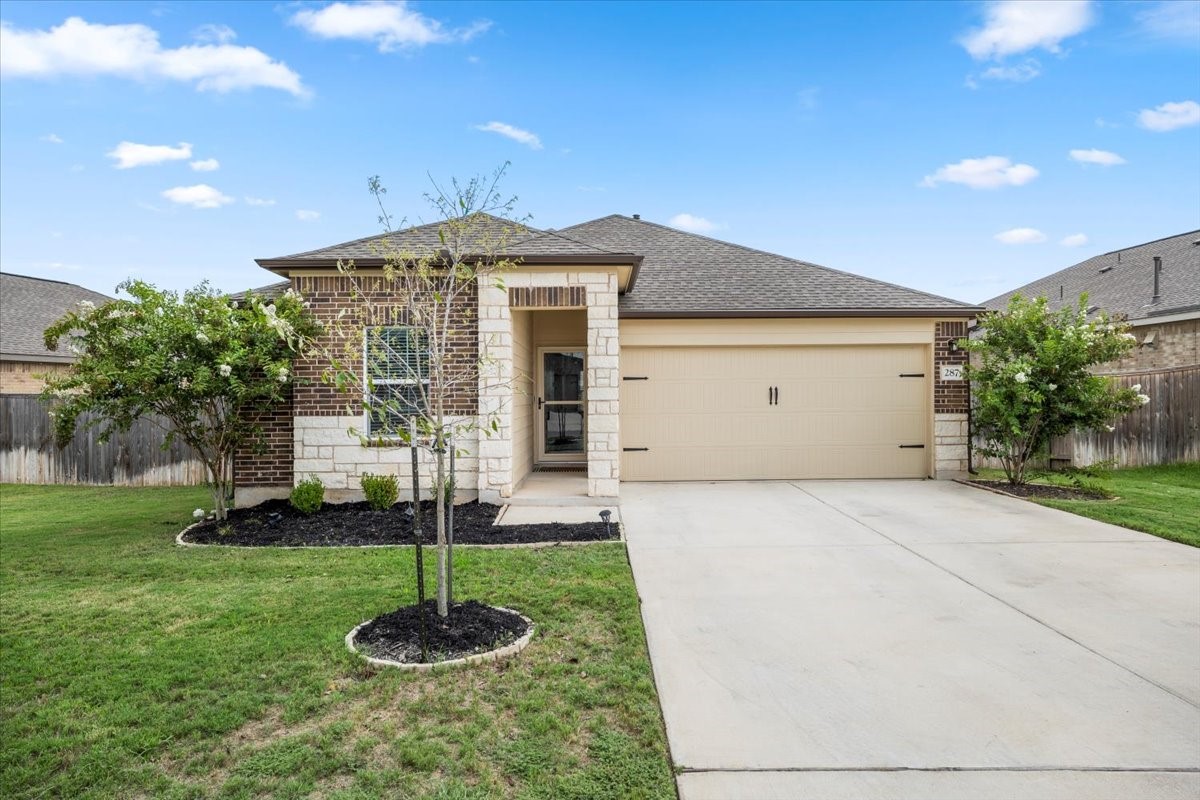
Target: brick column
951, 400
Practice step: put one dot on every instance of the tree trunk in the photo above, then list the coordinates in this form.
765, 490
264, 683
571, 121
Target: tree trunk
450, 528
443, 597
416, 507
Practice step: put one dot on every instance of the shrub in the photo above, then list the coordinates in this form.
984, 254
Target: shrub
382, 491
308, 495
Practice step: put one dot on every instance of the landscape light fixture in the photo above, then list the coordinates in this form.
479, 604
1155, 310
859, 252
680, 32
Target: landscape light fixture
606, 515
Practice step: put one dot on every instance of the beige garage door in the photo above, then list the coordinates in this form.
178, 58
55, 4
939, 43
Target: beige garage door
746, 413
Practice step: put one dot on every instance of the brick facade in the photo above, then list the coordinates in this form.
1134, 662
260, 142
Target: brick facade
327, 296
949, 397
951, 402
269, 463
1174, 344
24, 377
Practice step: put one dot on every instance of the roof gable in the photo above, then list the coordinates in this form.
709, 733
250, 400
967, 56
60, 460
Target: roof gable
1122, 281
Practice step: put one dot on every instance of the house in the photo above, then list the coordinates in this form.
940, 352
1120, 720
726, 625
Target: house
27, 307
624, 350
1155, 286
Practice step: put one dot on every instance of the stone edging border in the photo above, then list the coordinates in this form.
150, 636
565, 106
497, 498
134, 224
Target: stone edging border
179, 542
478, 658
1003, 493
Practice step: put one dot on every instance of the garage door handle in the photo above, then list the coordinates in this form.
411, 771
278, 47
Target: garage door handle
912, 446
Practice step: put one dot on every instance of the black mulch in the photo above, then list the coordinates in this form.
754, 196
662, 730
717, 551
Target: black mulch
276, 524
470, 628
1042, 491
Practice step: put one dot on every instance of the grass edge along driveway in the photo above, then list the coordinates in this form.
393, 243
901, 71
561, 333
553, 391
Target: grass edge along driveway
1160, 500
131, 667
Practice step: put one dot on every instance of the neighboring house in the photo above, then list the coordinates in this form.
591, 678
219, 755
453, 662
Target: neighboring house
624, 350
27, 307
1156, 287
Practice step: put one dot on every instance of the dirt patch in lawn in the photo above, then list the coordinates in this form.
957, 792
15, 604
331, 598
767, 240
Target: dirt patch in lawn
276, 524
1041, 491
470, 628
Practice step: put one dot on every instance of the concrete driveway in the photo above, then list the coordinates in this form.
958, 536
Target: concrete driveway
914, 639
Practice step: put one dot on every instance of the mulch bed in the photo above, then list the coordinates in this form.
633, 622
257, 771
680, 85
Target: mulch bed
470, 628
1042, 491
276, 524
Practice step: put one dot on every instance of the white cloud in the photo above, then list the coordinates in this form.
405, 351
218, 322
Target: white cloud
1074, 240
990, 172
1102, 157
390, 25
1170, 116
1016, 26
78, 47
199, 196
131, 154
215, 34
1021, 236
259, 201
305, 215
1178, 21
690, 222
52, 138
1027, 70
206, 165
516, 134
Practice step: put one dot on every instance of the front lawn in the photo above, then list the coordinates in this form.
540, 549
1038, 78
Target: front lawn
130, 667
1158, 500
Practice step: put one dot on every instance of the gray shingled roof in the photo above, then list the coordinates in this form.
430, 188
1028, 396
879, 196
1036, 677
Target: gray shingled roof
522, 241
683, 272
1122, 282
30, 305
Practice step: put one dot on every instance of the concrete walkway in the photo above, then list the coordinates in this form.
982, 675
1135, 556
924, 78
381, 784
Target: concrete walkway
897, 639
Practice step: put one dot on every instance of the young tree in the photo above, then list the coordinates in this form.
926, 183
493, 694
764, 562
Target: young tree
211, 366
406, 341
1031, 378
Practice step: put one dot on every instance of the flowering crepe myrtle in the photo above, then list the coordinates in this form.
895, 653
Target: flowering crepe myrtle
1031, 378
209, 366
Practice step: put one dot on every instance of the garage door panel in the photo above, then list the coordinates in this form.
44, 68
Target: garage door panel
843, 412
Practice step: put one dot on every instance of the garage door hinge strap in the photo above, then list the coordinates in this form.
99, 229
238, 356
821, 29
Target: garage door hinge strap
913, 446
635, 449
912, 374
632, 378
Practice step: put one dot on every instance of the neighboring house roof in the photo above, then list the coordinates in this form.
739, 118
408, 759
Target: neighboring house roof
30, 305
1122, 282
684, 274
677, 274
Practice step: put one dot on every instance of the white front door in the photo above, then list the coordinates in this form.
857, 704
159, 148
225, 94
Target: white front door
561, 404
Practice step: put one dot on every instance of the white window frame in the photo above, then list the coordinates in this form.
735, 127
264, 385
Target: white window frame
368, 381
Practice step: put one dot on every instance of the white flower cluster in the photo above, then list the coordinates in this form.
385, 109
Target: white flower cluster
1021, 377
225, 370
202, 337
86, 305
281, 326
282, 377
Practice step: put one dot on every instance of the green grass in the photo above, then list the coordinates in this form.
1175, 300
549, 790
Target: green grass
133, 668
1162, 500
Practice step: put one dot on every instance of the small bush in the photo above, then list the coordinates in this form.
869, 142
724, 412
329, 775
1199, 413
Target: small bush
449, 487
308, 495
382, 491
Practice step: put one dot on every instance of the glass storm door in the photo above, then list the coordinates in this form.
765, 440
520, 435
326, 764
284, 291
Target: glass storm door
561, 405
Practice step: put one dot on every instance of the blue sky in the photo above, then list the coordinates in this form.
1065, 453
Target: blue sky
951, 147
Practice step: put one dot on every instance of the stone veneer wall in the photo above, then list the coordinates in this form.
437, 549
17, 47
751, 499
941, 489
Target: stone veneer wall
597, 292
951, 402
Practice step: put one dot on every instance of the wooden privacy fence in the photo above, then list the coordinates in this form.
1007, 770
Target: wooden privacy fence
28, 453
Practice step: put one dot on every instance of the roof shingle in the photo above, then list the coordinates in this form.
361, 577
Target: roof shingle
30, 305
1122, 282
